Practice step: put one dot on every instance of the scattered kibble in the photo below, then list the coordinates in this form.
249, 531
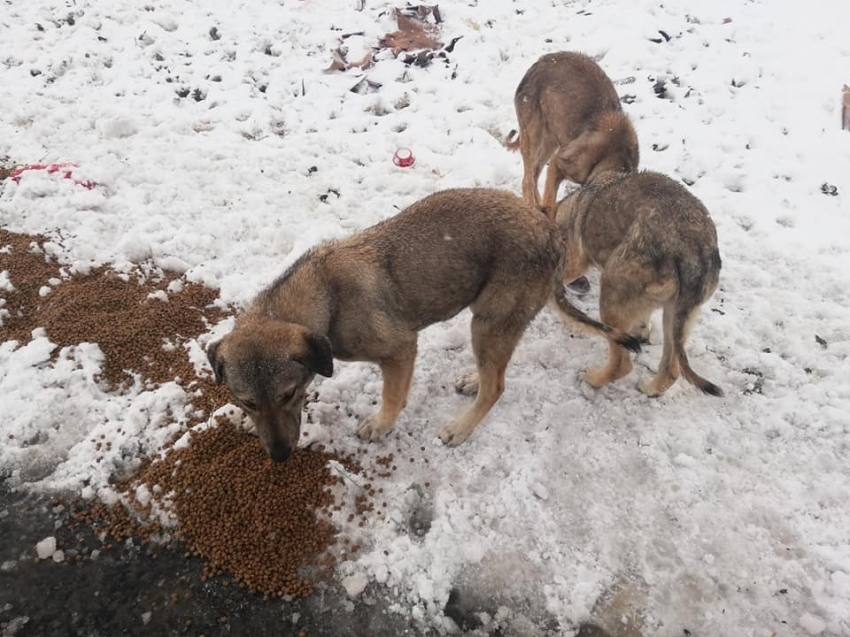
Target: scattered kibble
237, 510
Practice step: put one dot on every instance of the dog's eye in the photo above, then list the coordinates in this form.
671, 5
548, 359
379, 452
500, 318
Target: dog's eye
248, 405
286, 396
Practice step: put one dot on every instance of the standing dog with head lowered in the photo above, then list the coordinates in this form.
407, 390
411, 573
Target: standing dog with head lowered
656, 246
569, 115
366, 297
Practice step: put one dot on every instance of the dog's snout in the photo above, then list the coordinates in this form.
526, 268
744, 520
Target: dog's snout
280, 451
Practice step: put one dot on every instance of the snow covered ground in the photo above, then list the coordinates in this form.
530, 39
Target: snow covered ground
720, 516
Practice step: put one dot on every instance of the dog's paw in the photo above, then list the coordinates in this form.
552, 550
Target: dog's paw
467, 384
372, 428
596, 378
649, 387
454, 434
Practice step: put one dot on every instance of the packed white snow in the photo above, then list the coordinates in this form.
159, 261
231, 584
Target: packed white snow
720, 516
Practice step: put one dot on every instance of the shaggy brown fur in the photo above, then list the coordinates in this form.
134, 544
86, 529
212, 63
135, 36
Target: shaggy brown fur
569, 115
656, 246
366, 297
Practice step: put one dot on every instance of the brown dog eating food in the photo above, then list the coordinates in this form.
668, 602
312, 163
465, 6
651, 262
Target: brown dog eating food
365, 298
656, 246
569, 115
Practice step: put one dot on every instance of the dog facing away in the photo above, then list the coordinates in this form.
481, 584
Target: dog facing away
656, 246
569, 115
365, 298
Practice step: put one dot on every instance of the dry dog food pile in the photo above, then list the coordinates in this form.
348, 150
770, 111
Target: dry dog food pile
22, 257
139, 325
242, 513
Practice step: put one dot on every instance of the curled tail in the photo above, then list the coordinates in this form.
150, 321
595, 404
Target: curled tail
576, 317
512, 141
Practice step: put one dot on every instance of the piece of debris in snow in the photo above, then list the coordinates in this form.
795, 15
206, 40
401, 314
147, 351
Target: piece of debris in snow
845, 107
423, 12
666, 38
417, 37
451, 47
829, 189
415, 32
340, 63
365, 86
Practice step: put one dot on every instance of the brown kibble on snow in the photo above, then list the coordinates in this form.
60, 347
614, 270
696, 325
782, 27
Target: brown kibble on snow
246, 514
238, 510
129, 320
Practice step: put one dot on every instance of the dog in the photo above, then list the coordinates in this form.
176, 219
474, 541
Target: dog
656, 246
366, 297
569, 115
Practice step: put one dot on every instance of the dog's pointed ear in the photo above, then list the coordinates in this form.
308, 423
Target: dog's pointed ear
216, 362
577, 159
319, 356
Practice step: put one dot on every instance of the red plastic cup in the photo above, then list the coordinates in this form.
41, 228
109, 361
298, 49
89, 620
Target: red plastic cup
404, 158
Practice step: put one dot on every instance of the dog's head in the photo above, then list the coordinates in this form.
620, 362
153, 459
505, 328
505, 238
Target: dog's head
267, 365
612, 145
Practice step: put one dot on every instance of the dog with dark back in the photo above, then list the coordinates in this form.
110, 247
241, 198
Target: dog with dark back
655, 245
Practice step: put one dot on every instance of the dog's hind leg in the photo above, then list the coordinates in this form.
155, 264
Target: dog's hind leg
619, 364
536, 151
576, 261
668, 368
550, 191
674, 361
397, 374
493, 345
500, 315
622, 309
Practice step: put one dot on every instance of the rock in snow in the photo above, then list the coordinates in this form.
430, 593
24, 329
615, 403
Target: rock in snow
355, 584
46, 548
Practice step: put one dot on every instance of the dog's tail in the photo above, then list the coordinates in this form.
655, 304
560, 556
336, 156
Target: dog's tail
512, 140
575, 316
691, 295
703, 384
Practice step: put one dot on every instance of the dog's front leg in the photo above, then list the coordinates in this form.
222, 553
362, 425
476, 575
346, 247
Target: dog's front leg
397, 375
